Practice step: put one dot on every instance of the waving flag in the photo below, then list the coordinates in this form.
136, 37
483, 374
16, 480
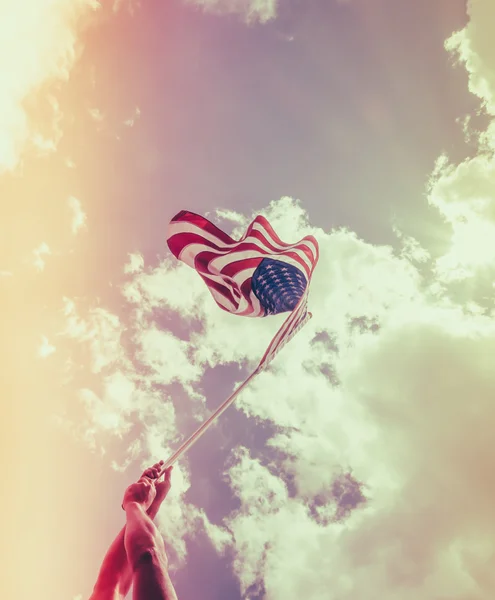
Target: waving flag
258, 275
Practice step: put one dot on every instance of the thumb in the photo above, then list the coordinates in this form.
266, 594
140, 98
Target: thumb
166, 472
165, 477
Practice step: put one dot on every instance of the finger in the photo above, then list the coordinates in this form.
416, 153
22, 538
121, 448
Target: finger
153, 470
150, 471
164, 475
158, 467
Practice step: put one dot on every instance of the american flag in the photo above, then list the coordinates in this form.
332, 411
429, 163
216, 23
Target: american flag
257, 276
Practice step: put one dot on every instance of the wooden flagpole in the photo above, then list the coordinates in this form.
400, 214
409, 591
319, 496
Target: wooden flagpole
223, 407
204, 426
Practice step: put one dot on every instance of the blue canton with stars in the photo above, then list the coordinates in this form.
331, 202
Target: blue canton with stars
278, 286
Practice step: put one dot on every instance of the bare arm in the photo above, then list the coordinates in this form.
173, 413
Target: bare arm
146, 553
115, 576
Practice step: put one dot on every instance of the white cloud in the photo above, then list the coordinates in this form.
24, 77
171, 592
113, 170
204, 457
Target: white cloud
100, 330
96, 115
103, 417
38, 260
44, 145
38, 45
464, 193
252, 11
233, 216
135, 264
171, 286
75, 326
166, 356
45, 349
474, 47
133, 454
78, 215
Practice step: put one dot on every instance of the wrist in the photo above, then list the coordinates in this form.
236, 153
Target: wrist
131, 505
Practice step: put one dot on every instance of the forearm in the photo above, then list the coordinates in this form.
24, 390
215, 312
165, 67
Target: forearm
114, 564
141, 536
146, 553
115, 571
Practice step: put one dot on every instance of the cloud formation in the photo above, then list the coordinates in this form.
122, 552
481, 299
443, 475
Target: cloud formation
474, 47
42, 250
78, 220
45, 349
31, 57
463, 193
252, 11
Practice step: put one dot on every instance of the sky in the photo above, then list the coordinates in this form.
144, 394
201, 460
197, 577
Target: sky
360, 465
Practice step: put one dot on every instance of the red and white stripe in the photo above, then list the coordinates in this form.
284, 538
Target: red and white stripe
227, 266
294, 322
